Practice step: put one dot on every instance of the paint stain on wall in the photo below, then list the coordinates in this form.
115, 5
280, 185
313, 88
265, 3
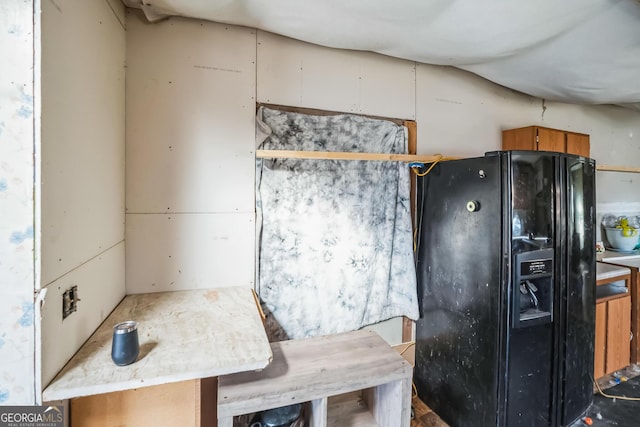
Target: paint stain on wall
24, 112
4, 395
26, 108
17, 237
3, 184
26, 319
26, 98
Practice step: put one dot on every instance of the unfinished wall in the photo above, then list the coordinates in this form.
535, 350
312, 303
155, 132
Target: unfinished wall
461, 114
615, 140
17, 167
208, 182
306, 75
191, 94
190, 155
82, 182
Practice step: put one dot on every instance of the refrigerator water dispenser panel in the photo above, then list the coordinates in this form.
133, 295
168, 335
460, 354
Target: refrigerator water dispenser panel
533, 288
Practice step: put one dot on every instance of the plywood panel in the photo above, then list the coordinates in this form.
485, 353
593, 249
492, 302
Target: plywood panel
101, 285
460, 114
118, 8
190, 116
612, 130
614, 188
390, 330
167, 252
613, 134
183, 335
291, 72
83, 100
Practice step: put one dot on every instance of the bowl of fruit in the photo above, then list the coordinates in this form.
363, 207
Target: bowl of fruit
622, 237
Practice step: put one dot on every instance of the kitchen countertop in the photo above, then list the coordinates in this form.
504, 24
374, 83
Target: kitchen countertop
609, 271
183, 335
619, 258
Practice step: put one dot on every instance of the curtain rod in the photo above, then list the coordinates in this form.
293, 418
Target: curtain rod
341, 155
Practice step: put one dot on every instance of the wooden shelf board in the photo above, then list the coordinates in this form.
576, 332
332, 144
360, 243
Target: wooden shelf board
610, 168
341, 155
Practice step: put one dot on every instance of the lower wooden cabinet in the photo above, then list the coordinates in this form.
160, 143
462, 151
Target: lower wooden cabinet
600, 344
187, 404
612, 336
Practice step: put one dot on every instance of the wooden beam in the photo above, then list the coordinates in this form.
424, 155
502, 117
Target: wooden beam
412, 148
340, 155
617, 168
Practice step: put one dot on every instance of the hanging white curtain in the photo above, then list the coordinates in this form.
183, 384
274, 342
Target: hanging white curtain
335, 237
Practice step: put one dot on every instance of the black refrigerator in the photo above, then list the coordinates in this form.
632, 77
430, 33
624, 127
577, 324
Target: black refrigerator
506, 283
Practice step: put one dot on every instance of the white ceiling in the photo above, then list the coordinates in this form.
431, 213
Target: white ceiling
576, 51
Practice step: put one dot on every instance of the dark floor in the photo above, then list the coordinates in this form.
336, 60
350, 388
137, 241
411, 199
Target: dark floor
605, 412
620, 412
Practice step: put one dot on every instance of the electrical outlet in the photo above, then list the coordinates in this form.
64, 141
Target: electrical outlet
69, 301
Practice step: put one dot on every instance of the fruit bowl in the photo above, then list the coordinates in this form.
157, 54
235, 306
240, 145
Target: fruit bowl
621, 241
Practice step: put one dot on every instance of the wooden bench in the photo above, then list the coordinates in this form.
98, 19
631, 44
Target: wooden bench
325, 371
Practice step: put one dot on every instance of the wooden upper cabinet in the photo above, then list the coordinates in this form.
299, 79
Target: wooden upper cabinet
545, 139
578, 143
551, 140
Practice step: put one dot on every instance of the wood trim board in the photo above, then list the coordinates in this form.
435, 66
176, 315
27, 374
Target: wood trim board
342, 155
610, 168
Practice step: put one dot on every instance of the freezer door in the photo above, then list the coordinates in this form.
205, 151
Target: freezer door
460, 290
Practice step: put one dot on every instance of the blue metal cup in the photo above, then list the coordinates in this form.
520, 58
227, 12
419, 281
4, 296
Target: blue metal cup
125, 347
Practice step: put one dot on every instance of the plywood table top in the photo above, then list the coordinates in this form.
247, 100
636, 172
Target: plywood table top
183, 335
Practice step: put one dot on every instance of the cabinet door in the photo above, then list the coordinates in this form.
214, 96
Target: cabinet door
579, 144
185, 403
551, 140
618, 332
601, 340
519, 139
